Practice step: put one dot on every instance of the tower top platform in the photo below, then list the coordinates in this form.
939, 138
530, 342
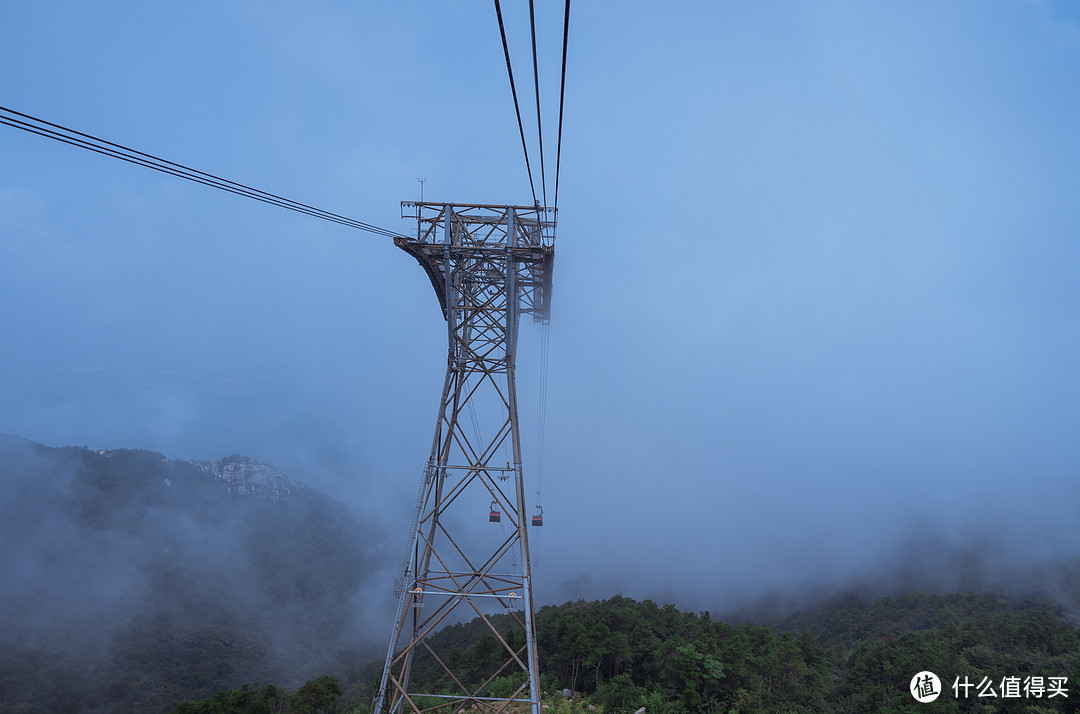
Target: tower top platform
448, 234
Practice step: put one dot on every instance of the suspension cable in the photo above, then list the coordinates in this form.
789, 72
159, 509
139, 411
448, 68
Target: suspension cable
562, 94
49, 130
544, 337
542, 411
513, 91
536, 84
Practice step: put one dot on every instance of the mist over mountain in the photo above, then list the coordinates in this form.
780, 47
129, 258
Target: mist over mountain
132, 581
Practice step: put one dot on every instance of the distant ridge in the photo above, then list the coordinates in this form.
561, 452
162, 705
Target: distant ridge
247, 477
131, 582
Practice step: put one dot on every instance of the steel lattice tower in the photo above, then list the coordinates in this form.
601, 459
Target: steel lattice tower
489, 265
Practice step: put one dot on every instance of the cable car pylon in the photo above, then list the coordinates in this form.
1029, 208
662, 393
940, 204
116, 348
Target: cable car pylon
489, 265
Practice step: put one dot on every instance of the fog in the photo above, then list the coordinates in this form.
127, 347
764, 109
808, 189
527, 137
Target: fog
814, 319
123, 564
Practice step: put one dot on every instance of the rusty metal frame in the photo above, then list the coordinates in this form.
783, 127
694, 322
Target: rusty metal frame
488, 265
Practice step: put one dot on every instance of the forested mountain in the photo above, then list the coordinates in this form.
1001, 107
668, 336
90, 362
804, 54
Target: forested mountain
848, 656
131, 582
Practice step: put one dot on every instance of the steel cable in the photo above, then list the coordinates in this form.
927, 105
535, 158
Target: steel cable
33, 125
513, 91
562, 94
536, 85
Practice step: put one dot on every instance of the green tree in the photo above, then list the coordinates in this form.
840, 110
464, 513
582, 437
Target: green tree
700, 674
317, 696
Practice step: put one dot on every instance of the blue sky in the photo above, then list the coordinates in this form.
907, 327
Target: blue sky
814, 291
